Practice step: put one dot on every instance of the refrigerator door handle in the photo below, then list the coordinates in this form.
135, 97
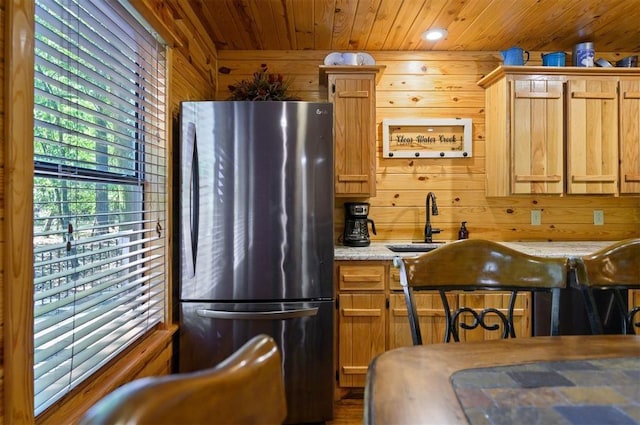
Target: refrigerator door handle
195, 199
258, 315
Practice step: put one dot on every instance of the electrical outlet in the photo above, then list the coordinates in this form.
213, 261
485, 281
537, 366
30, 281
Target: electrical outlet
536, 217
598, 217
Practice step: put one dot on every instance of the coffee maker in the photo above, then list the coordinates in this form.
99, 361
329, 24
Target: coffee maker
356, 228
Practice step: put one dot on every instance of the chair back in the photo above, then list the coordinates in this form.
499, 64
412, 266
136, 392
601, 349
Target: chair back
617, 265
614, 268
245, 388
475, 264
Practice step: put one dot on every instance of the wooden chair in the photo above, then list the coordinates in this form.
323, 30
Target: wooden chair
473, 264
245, 388
615, 268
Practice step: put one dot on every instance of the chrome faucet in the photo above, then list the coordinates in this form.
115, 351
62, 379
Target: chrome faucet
428, 230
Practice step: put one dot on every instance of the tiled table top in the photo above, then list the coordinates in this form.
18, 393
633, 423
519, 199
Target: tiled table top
603, 391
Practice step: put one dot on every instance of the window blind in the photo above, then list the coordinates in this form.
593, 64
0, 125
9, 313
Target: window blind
99, 189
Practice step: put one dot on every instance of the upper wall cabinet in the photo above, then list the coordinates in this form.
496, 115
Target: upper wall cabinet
629, 135
562, 130
536, 136
352, 89
592, 135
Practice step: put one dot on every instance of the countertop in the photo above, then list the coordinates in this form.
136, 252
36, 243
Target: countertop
379, 251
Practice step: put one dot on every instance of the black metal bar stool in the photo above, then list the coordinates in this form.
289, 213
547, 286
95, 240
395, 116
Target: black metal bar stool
475, 264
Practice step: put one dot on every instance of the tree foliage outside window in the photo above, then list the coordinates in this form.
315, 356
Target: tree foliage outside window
99, 185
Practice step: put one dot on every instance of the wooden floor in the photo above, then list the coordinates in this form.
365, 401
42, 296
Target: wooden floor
347, 411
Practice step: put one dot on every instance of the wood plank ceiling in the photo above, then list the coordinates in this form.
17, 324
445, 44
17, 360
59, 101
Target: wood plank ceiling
396, 25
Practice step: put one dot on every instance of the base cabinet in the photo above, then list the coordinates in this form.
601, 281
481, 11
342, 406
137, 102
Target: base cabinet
430, 315
361, 319
372, 316
361, 335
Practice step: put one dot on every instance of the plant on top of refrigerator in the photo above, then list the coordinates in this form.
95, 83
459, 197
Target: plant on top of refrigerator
263, 86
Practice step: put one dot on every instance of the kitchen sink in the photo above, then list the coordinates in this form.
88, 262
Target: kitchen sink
414, 246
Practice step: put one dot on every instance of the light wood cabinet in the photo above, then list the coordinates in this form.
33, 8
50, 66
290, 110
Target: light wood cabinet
634, 298
372, 316
629, 135
536, 137
562, 130
352, 90
430, 316
361, 331
592, 135
361, 319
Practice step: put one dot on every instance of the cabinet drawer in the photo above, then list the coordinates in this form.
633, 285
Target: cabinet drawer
355, 278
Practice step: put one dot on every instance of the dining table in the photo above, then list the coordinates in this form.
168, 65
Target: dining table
573, 379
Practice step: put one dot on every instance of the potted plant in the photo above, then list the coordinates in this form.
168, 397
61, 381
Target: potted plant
262, 87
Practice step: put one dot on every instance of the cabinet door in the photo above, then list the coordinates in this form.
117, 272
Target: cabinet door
361, 335
537, 135
354, 102
500, 300
630, 136
634, 301
592, 136
430, 316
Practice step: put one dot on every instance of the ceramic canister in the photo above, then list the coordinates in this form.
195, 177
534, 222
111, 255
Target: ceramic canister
352, 59
553, 59
584, 54
515, 56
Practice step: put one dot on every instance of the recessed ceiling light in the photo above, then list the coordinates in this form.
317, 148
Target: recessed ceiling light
434, 34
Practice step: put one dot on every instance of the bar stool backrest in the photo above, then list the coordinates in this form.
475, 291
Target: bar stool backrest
476, 264
247, 387
617, 265
615, 268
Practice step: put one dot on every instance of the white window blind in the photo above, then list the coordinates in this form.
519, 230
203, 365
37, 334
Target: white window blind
99, 192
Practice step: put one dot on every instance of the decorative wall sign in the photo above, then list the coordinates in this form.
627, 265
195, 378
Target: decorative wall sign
427, 138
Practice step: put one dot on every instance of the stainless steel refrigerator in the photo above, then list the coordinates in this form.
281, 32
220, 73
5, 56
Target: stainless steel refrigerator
256, 240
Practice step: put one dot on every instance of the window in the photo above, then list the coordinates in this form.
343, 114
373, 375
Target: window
99, 189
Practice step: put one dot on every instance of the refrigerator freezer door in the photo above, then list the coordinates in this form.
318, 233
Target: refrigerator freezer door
256, 207
209, 332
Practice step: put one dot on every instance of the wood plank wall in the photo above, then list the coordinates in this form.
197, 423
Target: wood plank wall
17, 188
443, 85
2, 185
